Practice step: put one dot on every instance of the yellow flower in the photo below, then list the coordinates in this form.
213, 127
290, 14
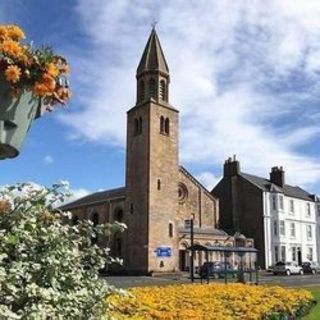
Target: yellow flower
15, 33
212, 302
13, 74
52, 69
11, 48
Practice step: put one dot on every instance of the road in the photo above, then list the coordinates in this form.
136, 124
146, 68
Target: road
265, 278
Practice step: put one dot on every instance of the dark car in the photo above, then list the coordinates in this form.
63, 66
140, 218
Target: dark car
311, 267
217, 270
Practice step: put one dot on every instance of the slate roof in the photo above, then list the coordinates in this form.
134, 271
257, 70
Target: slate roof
96, 197
153, 58
266, 185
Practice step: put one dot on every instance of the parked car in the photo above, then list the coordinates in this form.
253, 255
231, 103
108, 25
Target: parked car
311, 267
287, 268
217, 270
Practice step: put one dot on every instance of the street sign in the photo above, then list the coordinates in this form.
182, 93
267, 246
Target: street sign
163, 252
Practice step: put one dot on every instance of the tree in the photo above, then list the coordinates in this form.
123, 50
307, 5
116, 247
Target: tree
49, 268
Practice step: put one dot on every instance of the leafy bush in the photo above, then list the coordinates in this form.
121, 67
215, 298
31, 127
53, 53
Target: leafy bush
49, 267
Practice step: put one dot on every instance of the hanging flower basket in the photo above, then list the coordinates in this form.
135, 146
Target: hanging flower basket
32, 81
16, 116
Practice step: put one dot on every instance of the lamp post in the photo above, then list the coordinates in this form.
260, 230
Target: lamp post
189, 226
192, 251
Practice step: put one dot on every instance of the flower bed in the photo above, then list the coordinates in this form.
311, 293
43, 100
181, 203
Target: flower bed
214, 301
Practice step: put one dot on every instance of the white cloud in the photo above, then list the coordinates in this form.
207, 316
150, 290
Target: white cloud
48, 159
208, 179
244, 76
76, 194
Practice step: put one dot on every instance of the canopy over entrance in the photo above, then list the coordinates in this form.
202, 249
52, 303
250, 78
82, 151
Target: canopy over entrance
198, 247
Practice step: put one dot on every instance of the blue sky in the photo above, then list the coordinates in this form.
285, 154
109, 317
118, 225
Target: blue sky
244, 75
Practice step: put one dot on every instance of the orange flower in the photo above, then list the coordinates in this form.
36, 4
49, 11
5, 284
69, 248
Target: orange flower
63, 93
39, 89
46, 87
13, 74
4, 206
15, 33
65, 68
52, 69
11, 48
48, 81
3, 32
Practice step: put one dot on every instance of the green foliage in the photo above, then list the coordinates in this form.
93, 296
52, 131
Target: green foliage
49, 267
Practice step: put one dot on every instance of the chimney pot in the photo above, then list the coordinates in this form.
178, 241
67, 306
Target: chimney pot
277, 176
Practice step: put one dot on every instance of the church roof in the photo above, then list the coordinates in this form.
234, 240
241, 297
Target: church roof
266, 185
153, 58
95, 198
210, 231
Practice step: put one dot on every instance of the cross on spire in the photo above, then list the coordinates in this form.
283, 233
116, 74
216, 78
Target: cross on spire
154, 23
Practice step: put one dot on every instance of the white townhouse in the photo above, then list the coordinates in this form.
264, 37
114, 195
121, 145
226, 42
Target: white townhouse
291, 224
283, 220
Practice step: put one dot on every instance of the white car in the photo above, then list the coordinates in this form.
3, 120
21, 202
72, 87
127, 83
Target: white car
287, 268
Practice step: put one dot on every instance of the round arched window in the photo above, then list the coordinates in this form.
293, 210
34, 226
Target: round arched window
118, 215
182, 192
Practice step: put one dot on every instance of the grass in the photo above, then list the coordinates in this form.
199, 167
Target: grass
315, 311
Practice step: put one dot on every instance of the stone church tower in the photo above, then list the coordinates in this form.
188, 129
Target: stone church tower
152, 160
159, 196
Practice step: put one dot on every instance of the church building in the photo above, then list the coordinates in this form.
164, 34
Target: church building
159, 196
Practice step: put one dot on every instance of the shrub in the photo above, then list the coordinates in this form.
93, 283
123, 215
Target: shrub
49, 267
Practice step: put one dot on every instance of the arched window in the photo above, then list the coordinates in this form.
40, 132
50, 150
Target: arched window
118, 246
159, 184
75, 220
95, 221
170, 230
118, 214
152, 88
167, 126
161, 124
95, 218
140, 125
142, 91
162, 92
136, 127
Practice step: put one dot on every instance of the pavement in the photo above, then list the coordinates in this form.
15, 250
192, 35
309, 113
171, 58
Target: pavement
297, 281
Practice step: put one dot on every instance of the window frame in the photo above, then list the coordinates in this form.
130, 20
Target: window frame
282, 228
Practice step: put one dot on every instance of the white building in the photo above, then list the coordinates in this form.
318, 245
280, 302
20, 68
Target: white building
291, 223
283, 220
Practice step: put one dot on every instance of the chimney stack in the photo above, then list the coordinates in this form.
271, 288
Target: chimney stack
277, 176
231, 167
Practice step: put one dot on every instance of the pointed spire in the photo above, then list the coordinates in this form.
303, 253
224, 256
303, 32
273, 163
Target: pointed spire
153, 58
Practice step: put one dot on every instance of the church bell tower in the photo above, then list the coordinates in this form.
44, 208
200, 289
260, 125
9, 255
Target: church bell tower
152, 166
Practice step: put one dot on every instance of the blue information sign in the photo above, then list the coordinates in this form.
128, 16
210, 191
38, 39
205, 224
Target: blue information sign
163, 252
